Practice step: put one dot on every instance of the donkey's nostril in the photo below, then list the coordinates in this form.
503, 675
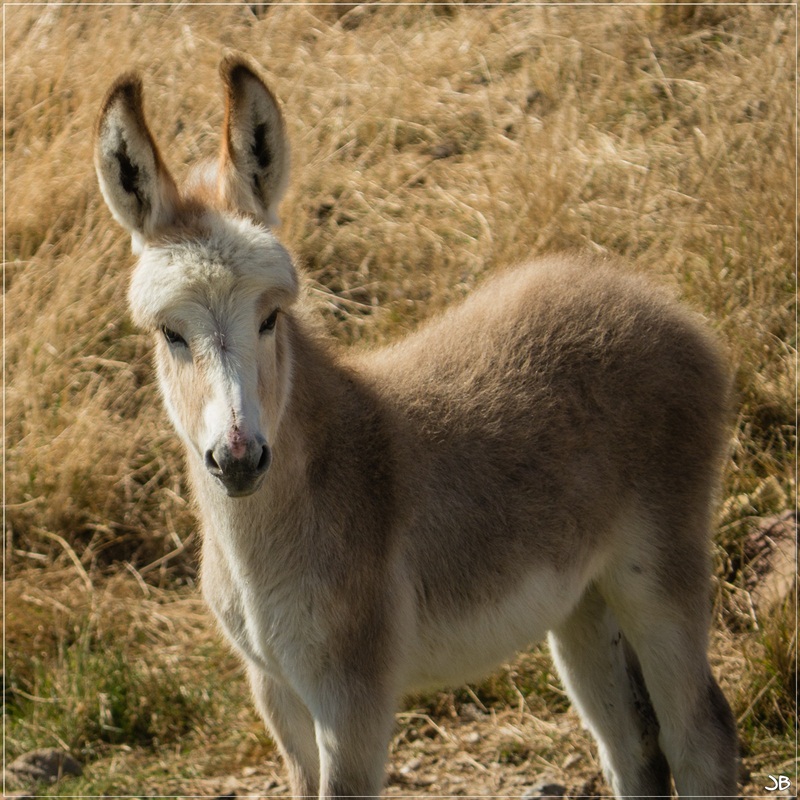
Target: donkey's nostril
264, 461
239, 475
211, 463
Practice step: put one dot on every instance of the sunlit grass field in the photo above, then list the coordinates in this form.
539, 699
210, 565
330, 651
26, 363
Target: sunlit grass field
431, 146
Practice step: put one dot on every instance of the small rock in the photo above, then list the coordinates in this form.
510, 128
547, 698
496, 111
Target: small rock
545, 787
40, 766
778, 571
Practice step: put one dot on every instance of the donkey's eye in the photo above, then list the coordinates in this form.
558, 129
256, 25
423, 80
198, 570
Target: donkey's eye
269, 323
172, 337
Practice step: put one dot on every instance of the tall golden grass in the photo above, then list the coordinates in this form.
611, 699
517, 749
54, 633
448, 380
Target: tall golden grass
431, 145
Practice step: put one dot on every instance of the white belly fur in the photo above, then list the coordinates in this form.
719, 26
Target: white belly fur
449, 652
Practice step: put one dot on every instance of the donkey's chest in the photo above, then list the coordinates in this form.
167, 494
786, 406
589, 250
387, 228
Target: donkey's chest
262, 615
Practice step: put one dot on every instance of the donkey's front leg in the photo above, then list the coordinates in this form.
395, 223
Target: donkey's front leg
292, 728
353, 727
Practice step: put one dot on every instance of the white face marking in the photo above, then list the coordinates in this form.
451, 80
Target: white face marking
232, 372
234, 255
212, 292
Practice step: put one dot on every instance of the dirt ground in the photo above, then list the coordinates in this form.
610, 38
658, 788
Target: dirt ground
476, 754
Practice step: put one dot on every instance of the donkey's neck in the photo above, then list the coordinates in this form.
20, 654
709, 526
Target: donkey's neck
320, 405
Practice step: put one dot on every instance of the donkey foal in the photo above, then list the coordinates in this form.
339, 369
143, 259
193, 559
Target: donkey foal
540, 458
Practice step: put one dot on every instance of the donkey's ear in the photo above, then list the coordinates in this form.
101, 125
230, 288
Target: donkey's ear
254, 163
136, 185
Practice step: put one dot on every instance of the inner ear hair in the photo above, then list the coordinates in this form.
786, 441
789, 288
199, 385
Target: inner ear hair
255, 154
133, 178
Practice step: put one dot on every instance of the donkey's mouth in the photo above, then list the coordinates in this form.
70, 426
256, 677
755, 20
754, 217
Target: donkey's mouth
241, 488
240, 485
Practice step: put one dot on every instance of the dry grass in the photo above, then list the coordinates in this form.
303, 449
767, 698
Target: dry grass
431, 145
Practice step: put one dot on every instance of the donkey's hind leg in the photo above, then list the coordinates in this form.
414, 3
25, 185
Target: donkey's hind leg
602, 677
666, 625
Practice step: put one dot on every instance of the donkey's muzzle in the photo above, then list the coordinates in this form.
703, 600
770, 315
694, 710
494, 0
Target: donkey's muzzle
240, 473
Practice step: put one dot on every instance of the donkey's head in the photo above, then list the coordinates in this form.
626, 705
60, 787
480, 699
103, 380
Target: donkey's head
211, 280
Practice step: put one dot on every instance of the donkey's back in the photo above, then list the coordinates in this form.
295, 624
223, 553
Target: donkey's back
571, 352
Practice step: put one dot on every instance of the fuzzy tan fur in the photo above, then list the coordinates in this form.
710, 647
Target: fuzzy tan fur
541, 458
